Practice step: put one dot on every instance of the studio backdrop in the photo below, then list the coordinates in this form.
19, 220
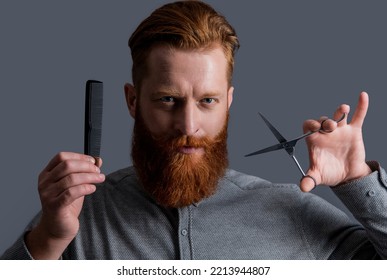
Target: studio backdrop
298, 60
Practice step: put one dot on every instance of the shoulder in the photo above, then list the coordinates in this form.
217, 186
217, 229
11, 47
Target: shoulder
118, 183
121, 192
250, 182
121, 176
284, 197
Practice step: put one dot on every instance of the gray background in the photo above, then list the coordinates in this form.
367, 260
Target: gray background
298, 60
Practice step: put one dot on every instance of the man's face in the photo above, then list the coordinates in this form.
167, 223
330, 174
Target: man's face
180, 133
186, 92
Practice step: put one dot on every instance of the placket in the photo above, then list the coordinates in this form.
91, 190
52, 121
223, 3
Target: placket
184, 233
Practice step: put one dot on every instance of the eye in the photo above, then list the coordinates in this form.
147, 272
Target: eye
167, 99
208, 100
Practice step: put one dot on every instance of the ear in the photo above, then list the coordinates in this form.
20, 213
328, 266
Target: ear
230, 96
131, 99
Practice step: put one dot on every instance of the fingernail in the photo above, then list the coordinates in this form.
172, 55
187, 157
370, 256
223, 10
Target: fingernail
101, 176
97, 169
98, 161
92, 159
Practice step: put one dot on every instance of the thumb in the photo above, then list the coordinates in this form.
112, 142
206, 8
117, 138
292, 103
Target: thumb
98, 161
309, 181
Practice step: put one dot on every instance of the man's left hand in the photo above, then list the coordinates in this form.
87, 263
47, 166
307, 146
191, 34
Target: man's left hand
337, 155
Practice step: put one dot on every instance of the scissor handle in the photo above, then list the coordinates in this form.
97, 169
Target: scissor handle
313, 132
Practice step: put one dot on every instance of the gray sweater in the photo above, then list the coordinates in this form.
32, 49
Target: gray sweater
247, 218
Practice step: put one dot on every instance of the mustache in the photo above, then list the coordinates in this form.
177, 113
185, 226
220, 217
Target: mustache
171, 144
190, 141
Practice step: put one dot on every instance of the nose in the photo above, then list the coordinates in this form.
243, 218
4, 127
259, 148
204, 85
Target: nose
188, 119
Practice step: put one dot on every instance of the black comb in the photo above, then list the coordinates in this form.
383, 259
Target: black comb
93, 117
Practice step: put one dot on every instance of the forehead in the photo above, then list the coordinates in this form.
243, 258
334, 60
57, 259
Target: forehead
166, 62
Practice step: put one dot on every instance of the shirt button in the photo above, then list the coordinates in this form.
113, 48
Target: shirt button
371, 193
184, 232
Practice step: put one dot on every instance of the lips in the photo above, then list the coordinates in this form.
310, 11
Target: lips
190, 150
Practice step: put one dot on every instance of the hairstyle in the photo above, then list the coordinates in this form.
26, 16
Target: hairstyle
182, 25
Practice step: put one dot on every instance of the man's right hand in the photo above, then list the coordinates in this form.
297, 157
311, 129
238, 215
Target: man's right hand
63, 184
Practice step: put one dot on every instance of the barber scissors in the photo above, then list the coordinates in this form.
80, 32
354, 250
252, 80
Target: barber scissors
289, 146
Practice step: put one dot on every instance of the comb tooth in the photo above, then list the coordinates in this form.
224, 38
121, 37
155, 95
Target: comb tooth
93, 117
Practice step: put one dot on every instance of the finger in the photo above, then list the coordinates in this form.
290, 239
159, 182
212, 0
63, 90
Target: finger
62, 156
311, 125
342, 109
328, 126
98, 161
68, 167
70, 181
361, 110
76, 179
309, 181
70, 195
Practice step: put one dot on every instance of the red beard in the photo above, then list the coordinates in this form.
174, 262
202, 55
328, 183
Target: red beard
174, 179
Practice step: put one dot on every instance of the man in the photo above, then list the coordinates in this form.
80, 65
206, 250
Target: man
180, 200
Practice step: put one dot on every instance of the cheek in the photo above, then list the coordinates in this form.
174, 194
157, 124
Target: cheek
155, 121
214, 124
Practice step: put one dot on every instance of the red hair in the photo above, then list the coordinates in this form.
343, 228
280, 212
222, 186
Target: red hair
182, 25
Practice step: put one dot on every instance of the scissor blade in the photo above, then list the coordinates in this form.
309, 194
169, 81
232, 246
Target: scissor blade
276, 133
268, 149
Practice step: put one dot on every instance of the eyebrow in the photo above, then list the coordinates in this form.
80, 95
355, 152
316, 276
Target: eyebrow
177, 94
211, 94
158, 94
